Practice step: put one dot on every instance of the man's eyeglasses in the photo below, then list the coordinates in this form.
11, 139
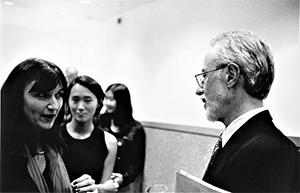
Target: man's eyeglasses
200, 77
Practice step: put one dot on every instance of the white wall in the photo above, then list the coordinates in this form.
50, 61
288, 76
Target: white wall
157, 50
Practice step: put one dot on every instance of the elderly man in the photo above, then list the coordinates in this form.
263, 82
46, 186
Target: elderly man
253, 155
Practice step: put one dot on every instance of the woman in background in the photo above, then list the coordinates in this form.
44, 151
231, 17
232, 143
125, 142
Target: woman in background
130, 134
31, 103
89, 149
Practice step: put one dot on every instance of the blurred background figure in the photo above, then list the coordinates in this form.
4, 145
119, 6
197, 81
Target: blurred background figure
89, 150
130, 134
32, 98
71, 73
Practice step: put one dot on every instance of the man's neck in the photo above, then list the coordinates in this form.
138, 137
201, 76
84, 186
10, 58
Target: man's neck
242, 108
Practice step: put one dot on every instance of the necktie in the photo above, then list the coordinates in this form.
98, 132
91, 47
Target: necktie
217, 147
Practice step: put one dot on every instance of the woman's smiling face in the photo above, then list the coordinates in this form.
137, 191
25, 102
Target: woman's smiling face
110, 102
42, 108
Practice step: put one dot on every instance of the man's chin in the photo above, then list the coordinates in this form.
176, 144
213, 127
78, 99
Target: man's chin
211, 117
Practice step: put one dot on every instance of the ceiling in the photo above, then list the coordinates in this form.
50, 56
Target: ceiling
78, 9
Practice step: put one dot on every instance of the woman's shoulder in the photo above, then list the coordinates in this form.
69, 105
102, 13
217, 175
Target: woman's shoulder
136, 129
137, 126
110, 138
104, 133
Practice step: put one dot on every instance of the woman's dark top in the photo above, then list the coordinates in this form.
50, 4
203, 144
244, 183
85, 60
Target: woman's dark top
85, 156
15, 176
131, 151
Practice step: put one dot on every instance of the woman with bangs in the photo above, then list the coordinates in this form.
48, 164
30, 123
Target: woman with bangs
32, 98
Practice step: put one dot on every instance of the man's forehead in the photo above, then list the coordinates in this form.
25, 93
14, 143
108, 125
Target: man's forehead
210, 59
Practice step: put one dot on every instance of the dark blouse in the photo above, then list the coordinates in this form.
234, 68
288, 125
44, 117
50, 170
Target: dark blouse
131, 151
85, 156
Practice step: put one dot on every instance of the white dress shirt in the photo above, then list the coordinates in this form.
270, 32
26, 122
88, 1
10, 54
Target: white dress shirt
237, 123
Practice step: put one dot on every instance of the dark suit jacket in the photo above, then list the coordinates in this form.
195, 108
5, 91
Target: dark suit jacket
257, 158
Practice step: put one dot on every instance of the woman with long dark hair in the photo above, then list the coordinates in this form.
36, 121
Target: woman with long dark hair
130, 134
32, 100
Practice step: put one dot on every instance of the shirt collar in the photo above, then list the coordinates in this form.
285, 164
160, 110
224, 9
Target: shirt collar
237, 123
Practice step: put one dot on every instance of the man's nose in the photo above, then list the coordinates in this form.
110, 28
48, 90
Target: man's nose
199, 91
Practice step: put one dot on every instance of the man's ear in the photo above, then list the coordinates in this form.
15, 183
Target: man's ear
233, 74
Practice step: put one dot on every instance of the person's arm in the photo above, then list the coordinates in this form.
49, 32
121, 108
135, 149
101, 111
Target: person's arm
111, 143
85, 184
106, 184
